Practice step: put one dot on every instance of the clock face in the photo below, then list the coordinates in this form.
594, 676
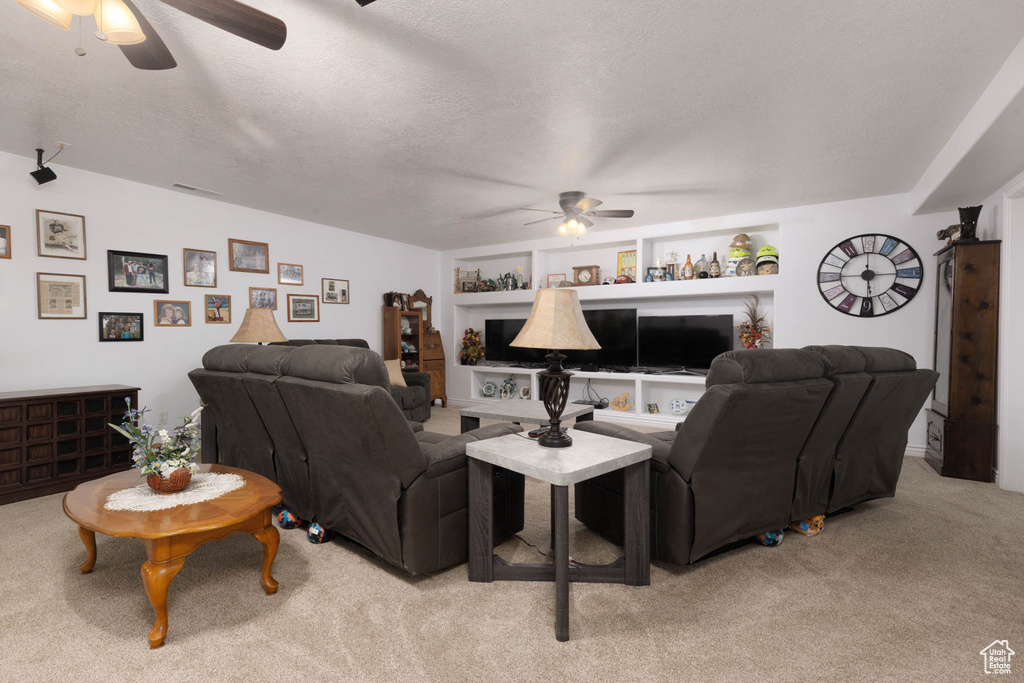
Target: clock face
584, 276
870, 275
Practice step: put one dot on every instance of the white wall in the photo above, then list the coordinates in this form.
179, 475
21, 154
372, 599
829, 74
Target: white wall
801, 316
122, 215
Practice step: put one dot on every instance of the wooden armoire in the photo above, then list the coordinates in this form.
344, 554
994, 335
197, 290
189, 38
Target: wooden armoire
962, 419
429, 354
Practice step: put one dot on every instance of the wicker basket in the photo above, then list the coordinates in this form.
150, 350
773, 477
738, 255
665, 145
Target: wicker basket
178, 480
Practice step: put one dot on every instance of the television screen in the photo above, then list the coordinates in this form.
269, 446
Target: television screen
498, 336
615, 331
690, 341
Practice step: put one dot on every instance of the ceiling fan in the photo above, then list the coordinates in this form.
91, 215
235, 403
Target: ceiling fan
120, 22
577, 209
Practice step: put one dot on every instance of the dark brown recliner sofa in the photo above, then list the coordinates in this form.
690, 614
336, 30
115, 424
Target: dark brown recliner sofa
413, 399
400, 493
727, 473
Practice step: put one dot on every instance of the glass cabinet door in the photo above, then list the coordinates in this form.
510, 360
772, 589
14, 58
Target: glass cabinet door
944, 327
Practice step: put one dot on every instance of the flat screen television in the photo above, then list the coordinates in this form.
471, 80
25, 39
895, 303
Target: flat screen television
689, 341
614, 329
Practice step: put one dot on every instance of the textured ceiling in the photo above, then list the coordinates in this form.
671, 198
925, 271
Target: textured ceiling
429, 122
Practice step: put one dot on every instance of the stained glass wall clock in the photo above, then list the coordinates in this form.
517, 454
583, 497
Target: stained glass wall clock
870, 275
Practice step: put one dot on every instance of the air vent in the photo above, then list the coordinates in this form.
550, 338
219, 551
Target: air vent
193, 188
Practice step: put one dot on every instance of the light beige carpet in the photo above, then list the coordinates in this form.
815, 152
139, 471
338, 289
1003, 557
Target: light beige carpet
905, 589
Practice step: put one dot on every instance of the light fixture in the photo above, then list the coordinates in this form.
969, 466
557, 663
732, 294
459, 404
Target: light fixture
259, 326
118, 24
42, 174
82, 8
572, 226
49, 11
556, 322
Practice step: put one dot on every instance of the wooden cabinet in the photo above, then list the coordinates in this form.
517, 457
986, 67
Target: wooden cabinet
51, 440
434, 363
962, 419
397, 332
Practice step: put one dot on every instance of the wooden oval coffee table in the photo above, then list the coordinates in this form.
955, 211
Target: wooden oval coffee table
171, 535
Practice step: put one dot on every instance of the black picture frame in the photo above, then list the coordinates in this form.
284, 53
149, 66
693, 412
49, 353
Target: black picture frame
108, 316
154, 279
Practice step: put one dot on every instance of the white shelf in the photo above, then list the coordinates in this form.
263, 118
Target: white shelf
722, 286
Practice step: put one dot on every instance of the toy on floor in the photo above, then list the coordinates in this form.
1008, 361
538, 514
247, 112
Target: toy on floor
317, 534
286, 520
812, 526
772, 538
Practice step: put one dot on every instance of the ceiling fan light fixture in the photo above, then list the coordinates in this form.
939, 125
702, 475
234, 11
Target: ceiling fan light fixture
118, 23
82, 8
49, 11
563, 229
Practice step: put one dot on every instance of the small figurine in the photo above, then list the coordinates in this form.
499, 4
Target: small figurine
519, 277
621, 403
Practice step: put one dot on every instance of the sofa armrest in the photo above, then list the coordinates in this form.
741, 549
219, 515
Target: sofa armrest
660, 443
417, 379
415, 426
450, 454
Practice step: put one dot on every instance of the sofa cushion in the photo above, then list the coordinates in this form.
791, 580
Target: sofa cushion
394, 367
408, 398
881, 359
843, 359
760, 366
337, 364
228, 357
268, 360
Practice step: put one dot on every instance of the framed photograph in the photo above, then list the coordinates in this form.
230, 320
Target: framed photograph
60, 235
132, 271
121, 327
334, 291
470, 285
200, 267
289, 274
60, 296
555, 278
263, 297
218, 308
652, 408
303, 308
656, 274
5, 241
626, 264
172, 313
248, 257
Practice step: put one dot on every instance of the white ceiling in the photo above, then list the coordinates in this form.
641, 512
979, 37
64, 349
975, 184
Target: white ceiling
429, 122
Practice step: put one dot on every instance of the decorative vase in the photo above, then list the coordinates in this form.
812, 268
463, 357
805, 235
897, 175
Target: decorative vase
177, 481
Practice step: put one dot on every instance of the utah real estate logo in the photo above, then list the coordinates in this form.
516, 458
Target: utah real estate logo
997, 657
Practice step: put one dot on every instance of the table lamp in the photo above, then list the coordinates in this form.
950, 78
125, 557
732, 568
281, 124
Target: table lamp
259, 326
555, 322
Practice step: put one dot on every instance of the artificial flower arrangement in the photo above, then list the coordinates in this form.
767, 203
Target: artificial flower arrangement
175, 450
472, 347
754, 332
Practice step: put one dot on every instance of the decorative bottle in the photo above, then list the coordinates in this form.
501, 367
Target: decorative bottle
700, 266
688, 269
715, 269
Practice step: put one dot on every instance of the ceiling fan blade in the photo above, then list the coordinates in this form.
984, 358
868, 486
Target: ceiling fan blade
588, 204
544, 220
612, 213
364, 3
585, 221
237, 18
542, 210
151, 54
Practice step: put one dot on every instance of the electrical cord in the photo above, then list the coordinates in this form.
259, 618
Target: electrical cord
572, 562
54, 156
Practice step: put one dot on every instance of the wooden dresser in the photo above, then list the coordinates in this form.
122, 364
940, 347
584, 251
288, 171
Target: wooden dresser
962, 418
53, 439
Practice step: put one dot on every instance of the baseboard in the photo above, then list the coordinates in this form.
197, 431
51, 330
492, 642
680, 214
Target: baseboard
915, 451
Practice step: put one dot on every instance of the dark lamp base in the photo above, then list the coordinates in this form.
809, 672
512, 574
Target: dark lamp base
555, 438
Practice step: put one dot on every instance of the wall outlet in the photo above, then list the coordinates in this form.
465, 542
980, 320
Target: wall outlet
161, 417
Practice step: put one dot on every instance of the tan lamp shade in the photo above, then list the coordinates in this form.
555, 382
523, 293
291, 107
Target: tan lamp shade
556, 322
257, 326
118, 23
49, 11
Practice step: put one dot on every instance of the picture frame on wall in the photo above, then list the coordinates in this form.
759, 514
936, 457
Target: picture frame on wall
135, 271
626, 264
289, 274
263, 297
60, 235
334, 291
60, 296
248, 257
5, 241
303, 308
121, 327
218, 309
170, 313
200, 267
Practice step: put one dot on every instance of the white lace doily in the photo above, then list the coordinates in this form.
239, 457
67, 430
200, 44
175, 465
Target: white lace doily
204, 486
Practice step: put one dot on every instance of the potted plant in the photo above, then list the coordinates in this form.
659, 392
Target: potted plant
754, 332
472, 347
167, 464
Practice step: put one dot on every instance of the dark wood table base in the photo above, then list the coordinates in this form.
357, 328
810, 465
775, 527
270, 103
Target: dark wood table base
633, 569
